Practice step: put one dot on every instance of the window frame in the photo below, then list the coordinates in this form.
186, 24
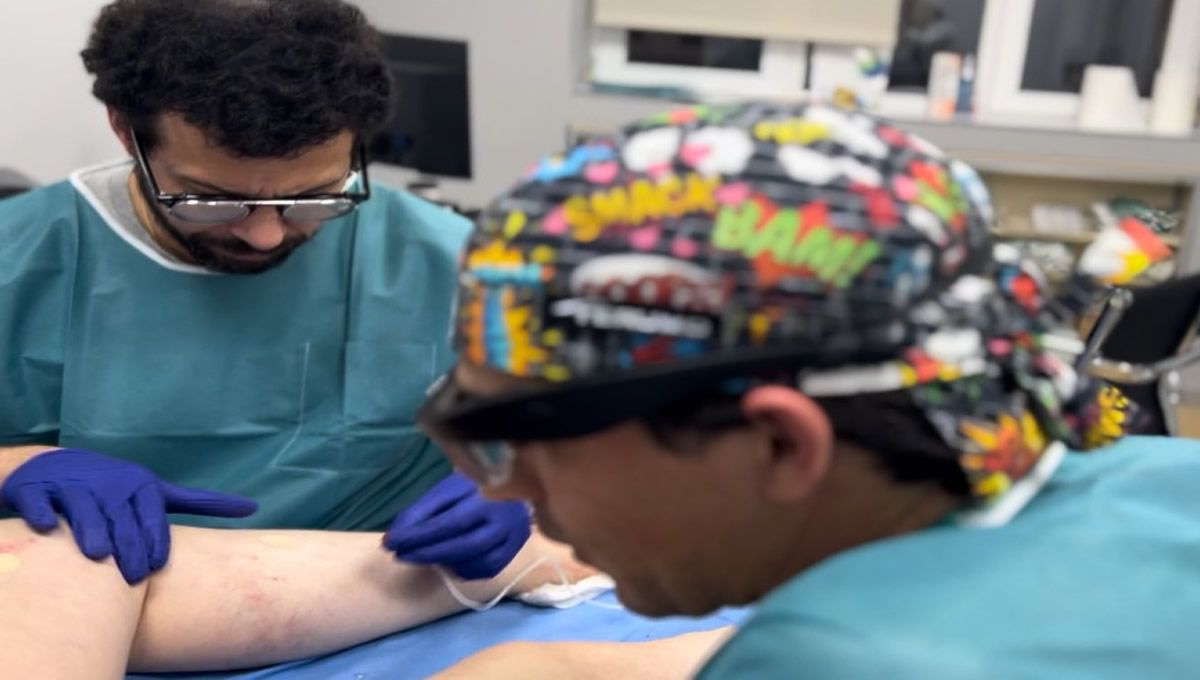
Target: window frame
1004, 32
780, 73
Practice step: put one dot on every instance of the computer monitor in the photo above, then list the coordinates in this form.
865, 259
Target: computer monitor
429, 129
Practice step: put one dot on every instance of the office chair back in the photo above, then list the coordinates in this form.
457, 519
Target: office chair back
1153, 328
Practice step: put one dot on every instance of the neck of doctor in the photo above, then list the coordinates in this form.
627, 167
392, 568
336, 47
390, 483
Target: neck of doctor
857, 503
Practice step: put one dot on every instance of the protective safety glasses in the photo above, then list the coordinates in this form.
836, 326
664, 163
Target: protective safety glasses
486, 462
215, 209
476, 433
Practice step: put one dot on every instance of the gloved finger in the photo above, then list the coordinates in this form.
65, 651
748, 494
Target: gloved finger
88, 523
460, 548
447, 493
130, 549
487, 565
516, 538
491, 562
149, 507
33, 504
201, 502
455, 521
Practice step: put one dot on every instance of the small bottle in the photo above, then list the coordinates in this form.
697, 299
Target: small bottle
966, 87
944, 72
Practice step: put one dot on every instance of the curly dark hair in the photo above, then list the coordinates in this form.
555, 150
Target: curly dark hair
261, 78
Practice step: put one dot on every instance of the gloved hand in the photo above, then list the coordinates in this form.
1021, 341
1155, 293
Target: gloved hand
114, 507
454, 527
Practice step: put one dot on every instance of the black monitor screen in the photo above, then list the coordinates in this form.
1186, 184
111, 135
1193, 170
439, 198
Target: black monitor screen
429, 128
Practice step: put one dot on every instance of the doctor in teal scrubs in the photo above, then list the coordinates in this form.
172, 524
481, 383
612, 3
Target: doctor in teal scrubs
234, 311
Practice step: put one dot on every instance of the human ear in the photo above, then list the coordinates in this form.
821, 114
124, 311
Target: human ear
801, 439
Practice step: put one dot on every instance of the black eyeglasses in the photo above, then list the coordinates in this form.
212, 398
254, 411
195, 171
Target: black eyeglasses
214, 209
475, 431
486, 453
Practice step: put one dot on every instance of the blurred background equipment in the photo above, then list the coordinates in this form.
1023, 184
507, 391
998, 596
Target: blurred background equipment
429, 130
13, 183
1142, 339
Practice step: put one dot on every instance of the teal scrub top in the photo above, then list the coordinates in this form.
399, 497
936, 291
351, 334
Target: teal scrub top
1098, 577
296, 387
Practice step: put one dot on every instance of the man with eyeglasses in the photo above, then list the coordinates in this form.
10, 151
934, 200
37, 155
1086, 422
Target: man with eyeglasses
767, 352
236, 313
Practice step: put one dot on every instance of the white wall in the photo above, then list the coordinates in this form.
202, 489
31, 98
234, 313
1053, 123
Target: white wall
49, 122
521, 71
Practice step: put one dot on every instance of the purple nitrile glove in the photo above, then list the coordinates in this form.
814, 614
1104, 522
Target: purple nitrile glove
114, 507
456, 528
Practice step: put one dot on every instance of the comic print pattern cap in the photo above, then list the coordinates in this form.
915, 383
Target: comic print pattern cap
713, 231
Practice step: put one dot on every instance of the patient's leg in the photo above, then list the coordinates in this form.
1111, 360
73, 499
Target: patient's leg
226, 599
229, 599
61, 615
674, 657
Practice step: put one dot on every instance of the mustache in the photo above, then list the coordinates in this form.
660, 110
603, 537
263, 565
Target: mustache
234, 256
229, 245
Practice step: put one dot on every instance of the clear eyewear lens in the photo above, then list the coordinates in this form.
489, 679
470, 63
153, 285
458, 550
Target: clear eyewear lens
494, 460
199, 212
318, 211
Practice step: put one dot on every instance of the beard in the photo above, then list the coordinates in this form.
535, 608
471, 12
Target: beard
229, 255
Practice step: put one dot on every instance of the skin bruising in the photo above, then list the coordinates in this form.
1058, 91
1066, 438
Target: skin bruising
13, 547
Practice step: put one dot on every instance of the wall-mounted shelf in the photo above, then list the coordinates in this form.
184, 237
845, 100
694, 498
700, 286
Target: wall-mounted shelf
1026, 234
1067, 153
988, 146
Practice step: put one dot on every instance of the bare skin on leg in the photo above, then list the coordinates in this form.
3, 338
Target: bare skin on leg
226, 599
64, 614
675, 657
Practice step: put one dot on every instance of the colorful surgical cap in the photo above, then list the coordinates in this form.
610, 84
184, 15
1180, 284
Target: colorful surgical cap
719, 230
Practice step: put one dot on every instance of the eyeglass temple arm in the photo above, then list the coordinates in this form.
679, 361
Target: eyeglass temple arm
363, 161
